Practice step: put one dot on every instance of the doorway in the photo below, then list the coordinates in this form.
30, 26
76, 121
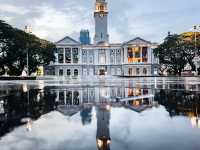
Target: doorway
102, 72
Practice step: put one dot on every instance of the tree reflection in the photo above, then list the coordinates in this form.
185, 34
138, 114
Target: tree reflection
20, 104
184, 103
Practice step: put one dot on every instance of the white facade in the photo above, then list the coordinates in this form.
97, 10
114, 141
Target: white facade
132, 58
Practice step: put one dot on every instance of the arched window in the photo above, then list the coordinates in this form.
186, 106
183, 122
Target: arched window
76, 72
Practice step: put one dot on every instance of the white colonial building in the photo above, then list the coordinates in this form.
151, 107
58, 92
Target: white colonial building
131, 58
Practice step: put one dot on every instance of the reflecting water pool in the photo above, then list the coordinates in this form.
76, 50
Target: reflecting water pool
102, 114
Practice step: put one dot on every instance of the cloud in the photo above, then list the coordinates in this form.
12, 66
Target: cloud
8, 8
151, 20
53, 23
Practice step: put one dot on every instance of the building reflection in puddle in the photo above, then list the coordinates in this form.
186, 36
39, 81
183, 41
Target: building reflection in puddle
30, 104
75, 100
103, 127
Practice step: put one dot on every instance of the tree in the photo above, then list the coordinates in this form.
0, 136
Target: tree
14, 46
175, 52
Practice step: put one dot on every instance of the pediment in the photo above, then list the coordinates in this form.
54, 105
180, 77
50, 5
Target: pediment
137, 41
67, 41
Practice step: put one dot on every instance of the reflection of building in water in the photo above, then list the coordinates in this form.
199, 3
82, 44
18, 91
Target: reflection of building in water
138, 99
71, 101
86, 115
103, 132
188, 84
88, 95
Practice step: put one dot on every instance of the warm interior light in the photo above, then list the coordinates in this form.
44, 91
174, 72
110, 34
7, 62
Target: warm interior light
99, 143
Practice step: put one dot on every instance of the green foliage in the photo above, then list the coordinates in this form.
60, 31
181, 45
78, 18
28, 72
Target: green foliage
14, 45
175, 52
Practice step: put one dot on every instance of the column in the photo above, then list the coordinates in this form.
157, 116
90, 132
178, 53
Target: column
141, 54
80, 56
125, 54
65, 98
71, 56
63, 55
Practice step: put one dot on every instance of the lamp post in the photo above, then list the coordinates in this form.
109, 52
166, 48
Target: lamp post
196, 28
27, 63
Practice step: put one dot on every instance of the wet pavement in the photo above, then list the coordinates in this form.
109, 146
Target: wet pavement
100, 114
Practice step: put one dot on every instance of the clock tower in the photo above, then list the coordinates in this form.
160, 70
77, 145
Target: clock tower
101, 22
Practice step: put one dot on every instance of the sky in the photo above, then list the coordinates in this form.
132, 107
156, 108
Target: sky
148, 19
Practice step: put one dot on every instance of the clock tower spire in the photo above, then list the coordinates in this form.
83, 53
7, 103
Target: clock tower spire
101, 22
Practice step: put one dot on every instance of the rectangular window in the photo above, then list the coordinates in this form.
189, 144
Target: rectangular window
75, 55
91, 60
144, 54
68, 72
137, 71
112, 59
60, 55
137, 52
60, 72
145, 71
102, 56
61, 97
69, 97
84, 56
130, 71
68, 55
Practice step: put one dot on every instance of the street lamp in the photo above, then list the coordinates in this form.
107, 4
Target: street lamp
196, 28
27, 63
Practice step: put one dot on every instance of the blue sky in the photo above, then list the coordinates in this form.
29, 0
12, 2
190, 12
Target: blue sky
149, 19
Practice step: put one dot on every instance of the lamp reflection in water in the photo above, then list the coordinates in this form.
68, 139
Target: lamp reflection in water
103, 132
27, 120
195, 120
2, 111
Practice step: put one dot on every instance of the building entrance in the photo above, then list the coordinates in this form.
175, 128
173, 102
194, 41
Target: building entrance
102, 72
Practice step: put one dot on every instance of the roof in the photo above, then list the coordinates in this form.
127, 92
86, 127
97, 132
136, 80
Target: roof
67, 41
136, 41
